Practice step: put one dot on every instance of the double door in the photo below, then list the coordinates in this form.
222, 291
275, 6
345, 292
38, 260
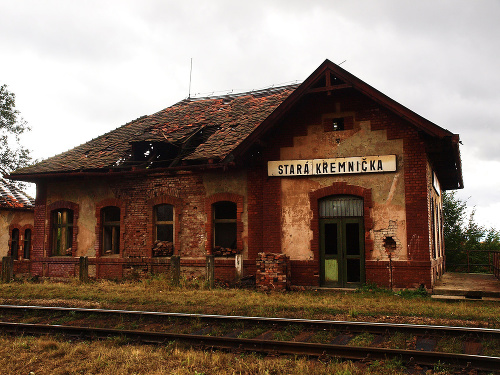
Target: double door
342, 251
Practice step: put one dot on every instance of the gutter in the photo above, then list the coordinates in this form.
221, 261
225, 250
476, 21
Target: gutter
36, 176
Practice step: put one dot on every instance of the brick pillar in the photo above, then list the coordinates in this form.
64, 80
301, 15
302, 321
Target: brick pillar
273, 271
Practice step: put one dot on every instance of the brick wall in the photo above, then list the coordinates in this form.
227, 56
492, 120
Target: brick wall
273, 271
187, 192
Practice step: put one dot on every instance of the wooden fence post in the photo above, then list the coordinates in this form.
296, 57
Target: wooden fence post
84, 269
238, 264
210, 271
175, 269
7, 269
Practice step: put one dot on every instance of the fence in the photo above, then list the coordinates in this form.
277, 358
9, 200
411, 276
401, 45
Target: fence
475, 261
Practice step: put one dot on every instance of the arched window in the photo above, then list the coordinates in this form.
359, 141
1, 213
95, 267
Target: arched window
27, 243
224, 225
14, 243
110, 230
62, 232
163, 230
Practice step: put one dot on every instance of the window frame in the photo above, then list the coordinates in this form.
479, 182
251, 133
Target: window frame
57, 205
27, 241
216, 221
157, 223
68, 228
231, 197
178, 206
14, 243
113, 235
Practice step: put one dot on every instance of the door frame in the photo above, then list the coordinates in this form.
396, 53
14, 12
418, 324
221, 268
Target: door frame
342, 256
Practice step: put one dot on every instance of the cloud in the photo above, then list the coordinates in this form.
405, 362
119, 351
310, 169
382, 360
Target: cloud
82, 68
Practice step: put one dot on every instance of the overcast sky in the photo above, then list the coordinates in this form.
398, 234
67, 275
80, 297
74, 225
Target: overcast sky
81, 68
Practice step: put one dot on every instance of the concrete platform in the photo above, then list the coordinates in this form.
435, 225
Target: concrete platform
467, 286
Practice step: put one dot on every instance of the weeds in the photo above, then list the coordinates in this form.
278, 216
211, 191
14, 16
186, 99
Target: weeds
420, 292
364, 339
156, 294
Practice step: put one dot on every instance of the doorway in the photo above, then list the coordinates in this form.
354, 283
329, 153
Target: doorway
341, 241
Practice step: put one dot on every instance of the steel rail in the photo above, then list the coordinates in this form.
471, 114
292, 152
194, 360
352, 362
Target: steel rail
371, 327
266, 346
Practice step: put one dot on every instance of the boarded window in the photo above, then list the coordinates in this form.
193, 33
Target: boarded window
340, 206
225, 227
111, 230
62, 232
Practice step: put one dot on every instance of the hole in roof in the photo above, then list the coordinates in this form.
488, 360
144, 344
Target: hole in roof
153, 154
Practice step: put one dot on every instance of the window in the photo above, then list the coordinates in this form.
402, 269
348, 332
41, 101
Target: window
27, 243
111, 230
14, 243
163, 230
62, 232
224, 225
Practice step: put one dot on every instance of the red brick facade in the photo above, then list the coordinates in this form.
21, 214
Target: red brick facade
269, 210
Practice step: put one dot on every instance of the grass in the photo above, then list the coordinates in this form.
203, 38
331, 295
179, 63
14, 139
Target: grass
28, 355
158, 294
45, 355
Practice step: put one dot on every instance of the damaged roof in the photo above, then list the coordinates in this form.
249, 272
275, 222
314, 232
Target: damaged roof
193, 130
11, 197
215, 130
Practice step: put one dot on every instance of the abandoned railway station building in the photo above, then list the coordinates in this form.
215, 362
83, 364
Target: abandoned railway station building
16, 225
324, 183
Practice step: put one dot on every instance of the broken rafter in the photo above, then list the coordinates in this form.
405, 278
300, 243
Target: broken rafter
184, 146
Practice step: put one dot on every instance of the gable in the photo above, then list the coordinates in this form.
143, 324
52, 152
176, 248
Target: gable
330, 79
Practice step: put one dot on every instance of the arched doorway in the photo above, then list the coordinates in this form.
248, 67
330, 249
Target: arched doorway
341, 241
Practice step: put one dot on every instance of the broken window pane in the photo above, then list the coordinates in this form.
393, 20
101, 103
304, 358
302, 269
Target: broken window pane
353, 270
331, 239
225, 227
352, 239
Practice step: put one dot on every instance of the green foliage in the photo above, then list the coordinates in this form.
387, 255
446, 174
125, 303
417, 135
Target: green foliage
12, 154
420, 292
372, 288
462, 234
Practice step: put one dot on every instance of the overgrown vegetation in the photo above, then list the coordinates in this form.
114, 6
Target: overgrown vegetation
44, 355
462, 233
157, 294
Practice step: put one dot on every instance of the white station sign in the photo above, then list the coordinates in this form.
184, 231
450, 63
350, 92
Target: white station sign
323, 167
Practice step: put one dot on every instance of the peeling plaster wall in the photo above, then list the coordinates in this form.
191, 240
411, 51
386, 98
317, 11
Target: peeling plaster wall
234, 182
134, 192
8, 217
85, 193
388, 211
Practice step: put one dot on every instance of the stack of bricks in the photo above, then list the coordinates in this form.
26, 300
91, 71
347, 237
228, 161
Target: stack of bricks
273, 271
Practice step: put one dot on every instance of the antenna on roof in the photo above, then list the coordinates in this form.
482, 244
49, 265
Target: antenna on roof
342, 62
190, 72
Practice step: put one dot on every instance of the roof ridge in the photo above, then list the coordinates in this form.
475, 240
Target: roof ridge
268, 90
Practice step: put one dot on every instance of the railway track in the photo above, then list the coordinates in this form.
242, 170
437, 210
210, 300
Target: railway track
319, 338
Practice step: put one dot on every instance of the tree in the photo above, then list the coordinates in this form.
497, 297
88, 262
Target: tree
12, 154
463, 234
